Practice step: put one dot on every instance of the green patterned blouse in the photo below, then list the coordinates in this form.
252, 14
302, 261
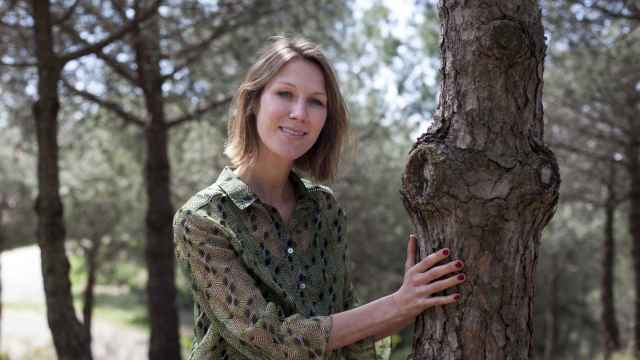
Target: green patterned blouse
264, 289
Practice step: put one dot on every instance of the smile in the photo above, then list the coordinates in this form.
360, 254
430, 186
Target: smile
292, 132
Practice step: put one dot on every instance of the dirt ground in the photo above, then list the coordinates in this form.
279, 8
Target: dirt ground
25, 334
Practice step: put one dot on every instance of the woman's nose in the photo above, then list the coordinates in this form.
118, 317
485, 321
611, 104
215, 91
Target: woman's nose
298, 110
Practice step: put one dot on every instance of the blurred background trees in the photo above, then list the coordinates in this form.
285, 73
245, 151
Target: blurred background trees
190, 56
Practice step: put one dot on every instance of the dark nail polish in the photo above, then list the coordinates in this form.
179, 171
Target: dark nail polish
456, 297
461, 277
445, 252
459, 264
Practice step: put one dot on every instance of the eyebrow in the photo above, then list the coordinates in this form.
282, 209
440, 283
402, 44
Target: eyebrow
293, 85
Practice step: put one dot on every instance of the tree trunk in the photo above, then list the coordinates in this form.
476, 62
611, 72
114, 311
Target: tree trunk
481, 182
69, 336
608, 316
91, 259
634, 224
161, 290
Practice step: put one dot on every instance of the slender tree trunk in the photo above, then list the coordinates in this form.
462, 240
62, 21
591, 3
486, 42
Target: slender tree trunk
608, 316
91, 258
634, 224
481, 182
69, 337
164, 342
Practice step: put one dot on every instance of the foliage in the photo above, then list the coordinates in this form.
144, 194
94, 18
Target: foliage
587, 124
16, 187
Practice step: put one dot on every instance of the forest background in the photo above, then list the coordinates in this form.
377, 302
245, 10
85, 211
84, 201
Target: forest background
387, 58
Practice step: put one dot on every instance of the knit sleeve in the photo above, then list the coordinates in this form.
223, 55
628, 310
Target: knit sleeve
228, 293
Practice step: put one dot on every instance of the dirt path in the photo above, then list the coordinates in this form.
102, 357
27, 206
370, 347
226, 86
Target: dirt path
25, 334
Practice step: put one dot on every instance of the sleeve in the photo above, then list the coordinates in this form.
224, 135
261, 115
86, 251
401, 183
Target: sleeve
227, 293
366, 349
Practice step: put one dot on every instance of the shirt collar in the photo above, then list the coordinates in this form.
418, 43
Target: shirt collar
242, 197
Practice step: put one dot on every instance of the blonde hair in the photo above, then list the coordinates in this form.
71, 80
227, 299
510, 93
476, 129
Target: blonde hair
321, 160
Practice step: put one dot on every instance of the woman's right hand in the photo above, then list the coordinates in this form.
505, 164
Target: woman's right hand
422, 282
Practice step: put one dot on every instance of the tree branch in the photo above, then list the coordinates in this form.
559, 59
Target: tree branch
580, 198
195, 51
17, 64
199, 112
580, 151
619, 15
114, 64
586, 130
15, 26
109, 105
94, 48
570, 103
66, 15
119, 7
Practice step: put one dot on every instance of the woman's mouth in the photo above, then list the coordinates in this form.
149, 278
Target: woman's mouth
292, 132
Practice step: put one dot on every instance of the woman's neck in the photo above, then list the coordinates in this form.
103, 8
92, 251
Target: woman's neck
269, 180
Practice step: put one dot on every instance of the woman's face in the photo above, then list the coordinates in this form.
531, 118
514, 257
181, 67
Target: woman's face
292, 111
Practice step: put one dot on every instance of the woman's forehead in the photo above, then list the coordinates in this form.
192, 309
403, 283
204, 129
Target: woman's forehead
301, 73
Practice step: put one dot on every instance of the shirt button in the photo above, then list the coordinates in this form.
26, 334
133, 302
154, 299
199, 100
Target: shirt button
290, 250
303, 285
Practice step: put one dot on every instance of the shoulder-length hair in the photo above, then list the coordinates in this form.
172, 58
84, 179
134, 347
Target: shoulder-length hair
321, 160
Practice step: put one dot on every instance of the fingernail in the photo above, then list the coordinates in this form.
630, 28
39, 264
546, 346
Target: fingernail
459, 264
461, 277
445, 252
456, 297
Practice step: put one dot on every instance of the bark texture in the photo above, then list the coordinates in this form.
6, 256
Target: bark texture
69, 335
161, 290
481, 182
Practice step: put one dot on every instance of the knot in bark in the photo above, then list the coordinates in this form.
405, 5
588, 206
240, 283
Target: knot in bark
420, 176
504, 40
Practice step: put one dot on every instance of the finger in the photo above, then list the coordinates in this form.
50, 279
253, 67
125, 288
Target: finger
440, 300
431, 260
411, 253
439, 271
440, 285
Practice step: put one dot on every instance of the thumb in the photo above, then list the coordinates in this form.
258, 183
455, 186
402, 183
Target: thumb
411, 253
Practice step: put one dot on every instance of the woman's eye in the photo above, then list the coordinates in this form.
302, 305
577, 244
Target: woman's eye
317, 102
284, 94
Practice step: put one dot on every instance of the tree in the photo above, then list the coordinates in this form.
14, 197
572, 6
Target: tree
69, 335
481, 182
602, 112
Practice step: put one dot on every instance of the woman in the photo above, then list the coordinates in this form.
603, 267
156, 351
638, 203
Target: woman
265, 249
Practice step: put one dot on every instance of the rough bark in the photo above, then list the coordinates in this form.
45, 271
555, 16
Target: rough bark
69, 336
161, 289
481, 182
611, 331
